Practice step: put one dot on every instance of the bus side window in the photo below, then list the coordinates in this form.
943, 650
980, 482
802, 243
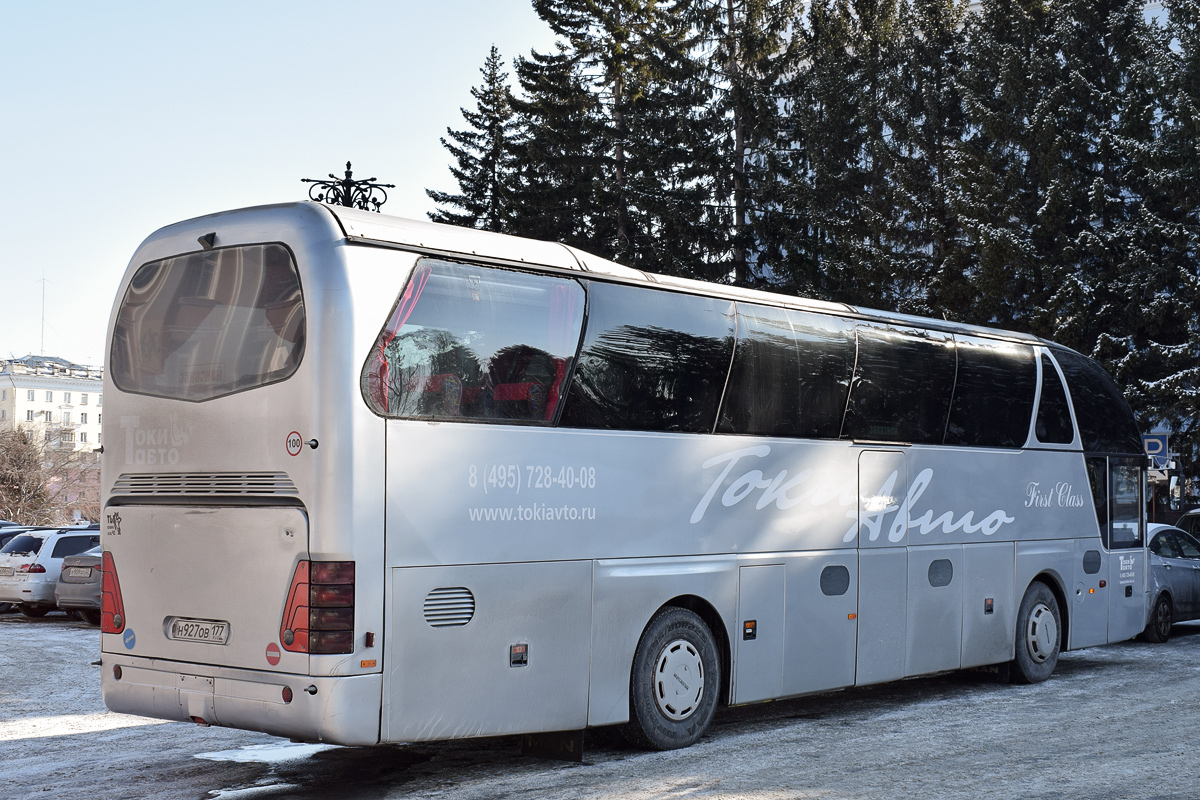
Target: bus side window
1097, 472
902, 386
1106, 424
1125, 493
651, 361
791, 374
993, 394
471, 342
1054, 415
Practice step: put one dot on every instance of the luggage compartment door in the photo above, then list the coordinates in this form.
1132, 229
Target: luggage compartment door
488, 650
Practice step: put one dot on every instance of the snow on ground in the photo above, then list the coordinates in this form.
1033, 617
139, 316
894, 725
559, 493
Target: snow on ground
1113, 723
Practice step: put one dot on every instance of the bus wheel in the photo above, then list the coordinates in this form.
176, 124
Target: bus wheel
675, 680
1158, 629
1038, 626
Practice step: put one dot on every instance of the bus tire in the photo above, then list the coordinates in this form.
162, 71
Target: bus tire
674, 683
1158, 629
1039, 635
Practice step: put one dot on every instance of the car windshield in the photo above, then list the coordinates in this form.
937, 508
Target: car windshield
23, 545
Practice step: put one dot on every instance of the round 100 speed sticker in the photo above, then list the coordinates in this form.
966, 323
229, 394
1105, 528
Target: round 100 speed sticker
294, 443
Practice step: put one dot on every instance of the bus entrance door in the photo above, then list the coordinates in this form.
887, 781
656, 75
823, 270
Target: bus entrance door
882, 566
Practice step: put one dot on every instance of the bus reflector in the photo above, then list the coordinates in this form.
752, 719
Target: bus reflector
319, 615
112, 609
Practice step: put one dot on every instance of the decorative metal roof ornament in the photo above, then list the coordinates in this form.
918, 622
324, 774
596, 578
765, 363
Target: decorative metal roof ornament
348, 192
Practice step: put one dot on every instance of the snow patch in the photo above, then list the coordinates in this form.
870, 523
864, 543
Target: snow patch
69, 725
267, 753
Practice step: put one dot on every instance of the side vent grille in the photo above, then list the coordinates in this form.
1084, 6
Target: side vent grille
449, 608
245, 484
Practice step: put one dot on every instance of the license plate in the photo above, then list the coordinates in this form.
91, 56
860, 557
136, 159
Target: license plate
6, 571
79, 572
198, 630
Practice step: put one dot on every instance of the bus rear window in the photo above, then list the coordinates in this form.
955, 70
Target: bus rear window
478, 343
204, 325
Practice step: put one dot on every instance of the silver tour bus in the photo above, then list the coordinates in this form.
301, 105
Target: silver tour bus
375, 480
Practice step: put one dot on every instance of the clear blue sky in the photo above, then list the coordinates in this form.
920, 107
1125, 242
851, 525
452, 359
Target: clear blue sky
118, 118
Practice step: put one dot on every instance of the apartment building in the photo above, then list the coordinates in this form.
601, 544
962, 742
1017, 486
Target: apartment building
60, 398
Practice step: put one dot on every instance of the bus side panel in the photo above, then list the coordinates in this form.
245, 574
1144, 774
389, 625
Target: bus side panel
1054, 560
519, 665
1089, 602
822, 606
935, 609
882, 614
989, 607
758, 665
1127, 588
627, 593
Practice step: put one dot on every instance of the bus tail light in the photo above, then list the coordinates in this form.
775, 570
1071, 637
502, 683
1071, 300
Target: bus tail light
112, 609
319, 615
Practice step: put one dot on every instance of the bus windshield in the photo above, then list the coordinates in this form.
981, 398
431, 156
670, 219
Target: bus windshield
208, 324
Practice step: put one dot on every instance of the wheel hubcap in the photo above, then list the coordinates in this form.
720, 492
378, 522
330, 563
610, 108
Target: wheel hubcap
678, 680
1042, 633
1163, 617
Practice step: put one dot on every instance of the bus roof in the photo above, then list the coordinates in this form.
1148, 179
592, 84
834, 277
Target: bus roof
370, 227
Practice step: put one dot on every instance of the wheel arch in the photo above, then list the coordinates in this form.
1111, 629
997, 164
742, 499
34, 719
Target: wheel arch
716, 625
1055, 584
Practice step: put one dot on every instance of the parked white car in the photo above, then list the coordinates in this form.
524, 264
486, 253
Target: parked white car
31, 562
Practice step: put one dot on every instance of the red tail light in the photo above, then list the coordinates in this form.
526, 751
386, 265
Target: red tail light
319, 615
112, 609
32, 569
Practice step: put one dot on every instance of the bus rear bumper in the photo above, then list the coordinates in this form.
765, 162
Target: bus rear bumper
337, 710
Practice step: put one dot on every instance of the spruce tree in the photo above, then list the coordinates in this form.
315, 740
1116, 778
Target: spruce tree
1155, 354
754, 53
483, 159
628, 71
1001, 181
838, 242
927, 125
558, 175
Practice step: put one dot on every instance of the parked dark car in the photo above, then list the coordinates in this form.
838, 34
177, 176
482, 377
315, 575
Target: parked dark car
1175, 577
78, 589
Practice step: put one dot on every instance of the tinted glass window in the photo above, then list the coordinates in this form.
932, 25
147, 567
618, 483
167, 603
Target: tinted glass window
651, 361
1106, 423
1054, 415
209, 324
902, 386
1097, 471
1164, 545
73, 545
472, 342
791, 374
993, 394
24, 544
1188, 547
1125, 493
